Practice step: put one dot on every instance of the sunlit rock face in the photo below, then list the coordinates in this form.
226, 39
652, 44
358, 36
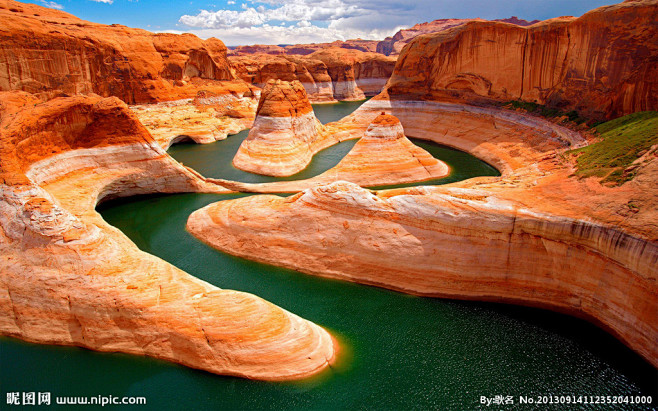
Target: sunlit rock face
281, 141
51, 53
392, 46
67, 277
206, 118
384, 155
602, 64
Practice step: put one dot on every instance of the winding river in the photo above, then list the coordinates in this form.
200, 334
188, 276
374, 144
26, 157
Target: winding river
398, 351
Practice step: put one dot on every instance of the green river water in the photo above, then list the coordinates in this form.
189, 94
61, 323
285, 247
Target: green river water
399, 351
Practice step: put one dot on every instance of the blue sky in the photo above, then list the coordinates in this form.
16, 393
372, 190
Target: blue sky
239, 22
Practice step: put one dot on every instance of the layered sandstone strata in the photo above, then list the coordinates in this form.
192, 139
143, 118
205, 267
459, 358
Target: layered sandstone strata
382, 156
258, 69
603, 64
355, 74
282, 140
206, 118
328, 75
67, 277
452, 243
51, 53
535, 236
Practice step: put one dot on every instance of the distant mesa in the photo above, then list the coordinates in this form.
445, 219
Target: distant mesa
328, 74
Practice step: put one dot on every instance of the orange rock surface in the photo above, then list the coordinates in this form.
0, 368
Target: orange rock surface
67, 277
50, 53
285, 130
206, 118
355, 74
602, 64
258, 69
382, 156
328, 74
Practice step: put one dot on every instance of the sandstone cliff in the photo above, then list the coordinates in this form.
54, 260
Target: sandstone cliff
258, 69
67, 277
355, 74
328, 75
393, 45
603, 64
51, 53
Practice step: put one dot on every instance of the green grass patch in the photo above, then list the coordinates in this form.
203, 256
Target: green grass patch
623, 141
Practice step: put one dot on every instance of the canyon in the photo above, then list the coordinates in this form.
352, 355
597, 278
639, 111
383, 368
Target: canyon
537, 235
534, 212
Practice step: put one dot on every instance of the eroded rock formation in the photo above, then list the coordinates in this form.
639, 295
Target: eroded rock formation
382, 156
355, 74
284, 134
51, 53
67, 277
603, 64
258, 69
328, 74
206, 118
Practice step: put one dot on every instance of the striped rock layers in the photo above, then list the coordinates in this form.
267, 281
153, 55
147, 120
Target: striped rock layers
53, 53
282, 140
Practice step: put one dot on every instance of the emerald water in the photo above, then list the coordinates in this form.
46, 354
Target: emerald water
399, 351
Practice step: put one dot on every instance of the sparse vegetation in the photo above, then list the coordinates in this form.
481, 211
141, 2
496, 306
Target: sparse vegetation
623, 141
545, 111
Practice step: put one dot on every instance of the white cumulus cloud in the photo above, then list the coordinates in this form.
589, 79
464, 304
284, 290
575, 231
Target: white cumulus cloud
52, 5
296, 10
270, 34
